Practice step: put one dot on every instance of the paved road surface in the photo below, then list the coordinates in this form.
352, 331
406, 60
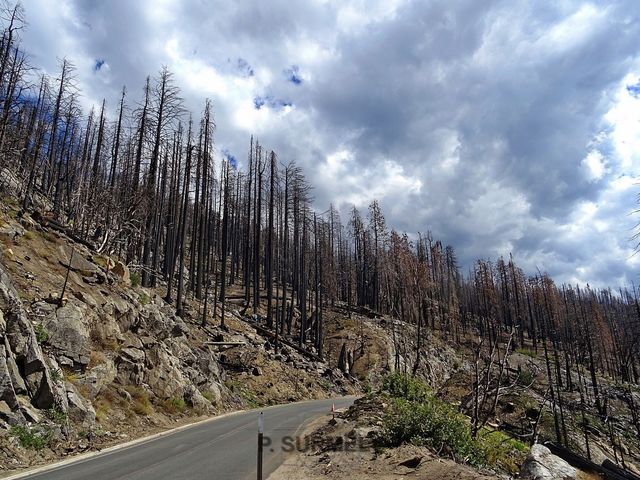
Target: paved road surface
224, 448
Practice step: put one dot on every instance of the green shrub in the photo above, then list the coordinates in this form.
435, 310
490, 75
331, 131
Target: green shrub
28, 235
174, 405
144, 299
498, 449
419, 418
526, 351
56, 415
525, 377
56, 375
430, 423
35, 438
41, 334
208, 395
135, 279
400, 385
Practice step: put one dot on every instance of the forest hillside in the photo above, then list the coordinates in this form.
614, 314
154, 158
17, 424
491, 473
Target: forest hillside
147, 278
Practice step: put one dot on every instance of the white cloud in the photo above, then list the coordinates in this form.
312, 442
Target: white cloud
500, 126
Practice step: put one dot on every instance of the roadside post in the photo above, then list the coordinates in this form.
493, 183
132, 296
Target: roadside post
260, 435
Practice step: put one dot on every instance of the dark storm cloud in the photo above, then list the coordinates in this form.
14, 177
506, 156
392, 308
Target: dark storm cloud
471, 119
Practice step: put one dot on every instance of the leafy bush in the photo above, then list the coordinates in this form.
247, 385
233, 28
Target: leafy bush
174, 405
419, 418
498, 449
399, 385
35, 438
430, 423
41, 334
135, 279
208, 395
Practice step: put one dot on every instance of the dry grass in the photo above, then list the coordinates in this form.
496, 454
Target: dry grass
141, 405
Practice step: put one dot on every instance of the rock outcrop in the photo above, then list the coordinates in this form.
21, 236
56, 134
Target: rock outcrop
24, 369
541, 464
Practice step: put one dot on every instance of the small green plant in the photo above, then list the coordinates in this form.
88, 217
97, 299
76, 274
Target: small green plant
56, 375
31, 437
525, 377
135, 279
41, 334
144, 299
47, 236
526, 351
208, 395
56, 415
28, 235
174, 405
430, 423
498, 449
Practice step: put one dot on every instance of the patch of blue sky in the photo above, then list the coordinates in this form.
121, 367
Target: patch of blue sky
293, 75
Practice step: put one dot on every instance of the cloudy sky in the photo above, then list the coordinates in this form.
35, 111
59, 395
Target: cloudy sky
500, 125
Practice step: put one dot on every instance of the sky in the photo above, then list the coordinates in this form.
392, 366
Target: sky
502, 126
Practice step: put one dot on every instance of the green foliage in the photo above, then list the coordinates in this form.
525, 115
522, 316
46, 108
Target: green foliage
41, 334
432, 423
32, 437
526, 351
174, 405
56, 415
144, 299
525, 377
48, 236
56, 375
399, 385
498, 449
136, 280
419, 418
208, 395
28, 235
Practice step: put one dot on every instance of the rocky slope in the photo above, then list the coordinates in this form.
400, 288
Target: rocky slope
111, 361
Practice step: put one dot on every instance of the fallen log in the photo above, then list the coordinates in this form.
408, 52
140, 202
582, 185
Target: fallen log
585, 464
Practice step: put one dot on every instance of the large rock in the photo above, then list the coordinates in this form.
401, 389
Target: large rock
69, 335
11, 231
51, 392
122, 271
14, 373
163, 373
98, 377
78, 263
7, 392
26, 356
80, 410
541, 464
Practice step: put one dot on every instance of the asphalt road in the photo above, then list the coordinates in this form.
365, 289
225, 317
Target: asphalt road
223, 448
